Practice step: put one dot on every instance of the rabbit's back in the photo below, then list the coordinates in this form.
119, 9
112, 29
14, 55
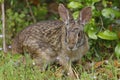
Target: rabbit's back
48, 32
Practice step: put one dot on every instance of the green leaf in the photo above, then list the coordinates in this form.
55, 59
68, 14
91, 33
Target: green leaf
92, 34
12, 24
108, 35
95, 0
74, 5
22, 15
104, 3
75, 14
117, 50
1, 1
110, 13
17, 56
91, 29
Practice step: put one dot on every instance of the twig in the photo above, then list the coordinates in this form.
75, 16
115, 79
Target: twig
3, 27
33, 17
102, 24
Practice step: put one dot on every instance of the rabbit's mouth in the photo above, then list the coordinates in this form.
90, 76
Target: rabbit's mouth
70, 48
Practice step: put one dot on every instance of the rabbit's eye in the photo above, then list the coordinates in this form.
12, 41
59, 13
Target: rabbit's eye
66, 35
66, 38
79, 34
66, 23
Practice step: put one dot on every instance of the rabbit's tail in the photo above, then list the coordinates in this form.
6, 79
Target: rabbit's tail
16, 47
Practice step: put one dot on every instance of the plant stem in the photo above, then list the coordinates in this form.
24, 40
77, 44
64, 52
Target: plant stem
3, 27
31, 12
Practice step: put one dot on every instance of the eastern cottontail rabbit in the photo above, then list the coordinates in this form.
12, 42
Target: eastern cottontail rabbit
51, 41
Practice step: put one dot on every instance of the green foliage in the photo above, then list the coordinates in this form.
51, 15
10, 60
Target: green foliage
15, 22
117, 50
1, 1
110, 13
74, 5
91, 29
108, 35
40, 12
12, 69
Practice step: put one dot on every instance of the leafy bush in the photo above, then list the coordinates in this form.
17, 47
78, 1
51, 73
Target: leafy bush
103, 30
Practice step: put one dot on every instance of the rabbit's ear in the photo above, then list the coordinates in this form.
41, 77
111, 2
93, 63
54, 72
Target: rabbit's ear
85, 15
64, 13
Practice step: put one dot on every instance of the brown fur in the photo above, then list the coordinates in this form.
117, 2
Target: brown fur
50, 41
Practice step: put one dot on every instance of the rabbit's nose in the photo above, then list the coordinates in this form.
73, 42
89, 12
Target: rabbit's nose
70, 47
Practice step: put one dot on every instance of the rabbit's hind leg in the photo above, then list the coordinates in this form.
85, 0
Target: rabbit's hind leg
42, 54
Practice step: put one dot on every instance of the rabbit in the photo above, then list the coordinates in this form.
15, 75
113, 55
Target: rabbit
63, 41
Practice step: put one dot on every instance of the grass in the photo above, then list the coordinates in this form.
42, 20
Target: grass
10, 71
